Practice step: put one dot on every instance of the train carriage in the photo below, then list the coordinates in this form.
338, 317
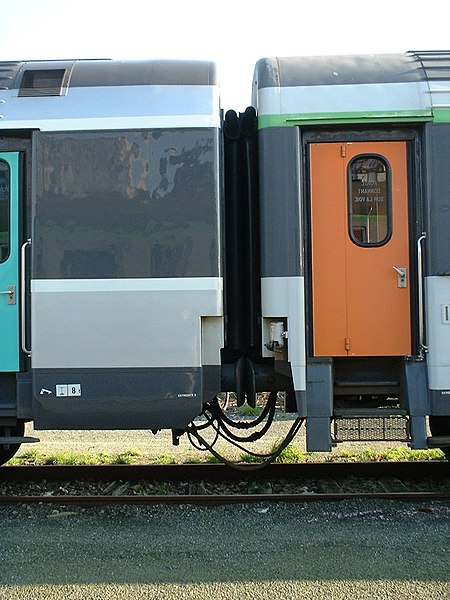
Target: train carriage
355, 247
111, 264
155, 252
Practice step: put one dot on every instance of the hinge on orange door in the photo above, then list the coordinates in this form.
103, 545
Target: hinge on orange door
347, 344
343, 150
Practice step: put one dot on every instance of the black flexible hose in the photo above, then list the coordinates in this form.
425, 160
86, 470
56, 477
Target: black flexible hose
215, 409
241, 467
256, 435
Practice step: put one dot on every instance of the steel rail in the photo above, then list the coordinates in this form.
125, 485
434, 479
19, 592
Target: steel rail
219, 499
406, 471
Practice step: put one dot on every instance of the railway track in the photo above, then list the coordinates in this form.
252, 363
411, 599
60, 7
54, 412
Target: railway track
213, 483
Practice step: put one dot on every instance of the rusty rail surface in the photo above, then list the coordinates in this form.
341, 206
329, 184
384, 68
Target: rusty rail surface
438, 471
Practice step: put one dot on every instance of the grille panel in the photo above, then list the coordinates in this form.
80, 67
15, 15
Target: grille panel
371, 429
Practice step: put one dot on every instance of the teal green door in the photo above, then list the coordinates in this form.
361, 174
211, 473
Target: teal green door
9, 261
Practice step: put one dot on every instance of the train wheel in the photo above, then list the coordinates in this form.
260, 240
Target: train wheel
7, 451
441, 426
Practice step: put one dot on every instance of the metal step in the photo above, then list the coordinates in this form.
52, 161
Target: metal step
369, 412
365, 383
358, 388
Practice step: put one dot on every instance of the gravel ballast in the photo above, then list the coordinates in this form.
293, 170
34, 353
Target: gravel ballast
333, 551
351, 549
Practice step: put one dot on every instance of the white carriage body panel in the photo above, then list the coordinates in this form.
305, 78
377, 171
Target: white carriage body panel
119, 323
438, 330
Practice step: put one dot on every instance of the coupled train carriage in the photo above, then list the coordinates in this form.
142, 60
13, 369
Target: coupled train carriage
156, 252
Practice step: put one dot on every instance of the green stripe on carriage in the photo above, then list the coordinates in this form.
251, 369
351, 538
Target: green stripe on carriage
441, 115
287, 120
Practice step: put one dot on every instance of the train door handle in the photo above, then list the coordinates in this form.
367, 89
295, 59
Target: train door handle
420, 286
23, 276
402, 276
11, 292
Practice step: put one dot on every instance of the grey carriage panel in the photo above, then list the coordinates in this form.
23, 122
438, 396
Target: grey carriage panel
280, 188
102, 94
155, 72
158, 398
116, 323
339, 70
100, 73
126, 204
439, 201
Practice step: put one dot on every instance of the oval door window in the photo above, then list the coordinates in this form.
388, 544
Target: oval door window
369, 191
4, 210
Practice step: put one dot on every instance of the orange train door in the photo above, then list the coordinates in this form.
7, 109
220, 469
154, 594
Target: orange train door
360, 249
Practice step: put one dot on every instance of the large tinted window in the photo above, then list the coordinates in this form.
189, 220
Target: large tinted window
4, 211
126, 204
369, 200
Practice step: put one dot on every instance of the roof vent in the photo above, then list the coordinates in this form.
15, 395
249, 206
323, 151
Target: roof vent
42, 82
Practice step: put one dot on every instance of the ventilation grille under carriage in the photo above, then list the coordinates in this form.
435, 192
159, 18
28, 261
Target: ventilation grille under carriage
371, 429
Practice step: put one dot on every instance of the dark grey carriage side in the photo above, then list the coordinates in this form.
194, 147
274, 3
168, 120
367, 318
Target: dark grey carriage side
438, 268
126, 228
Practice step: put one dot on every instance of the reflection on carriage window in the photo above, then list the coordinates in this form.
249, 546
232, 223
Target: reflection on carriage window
4, 210
369, 200
132, 204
